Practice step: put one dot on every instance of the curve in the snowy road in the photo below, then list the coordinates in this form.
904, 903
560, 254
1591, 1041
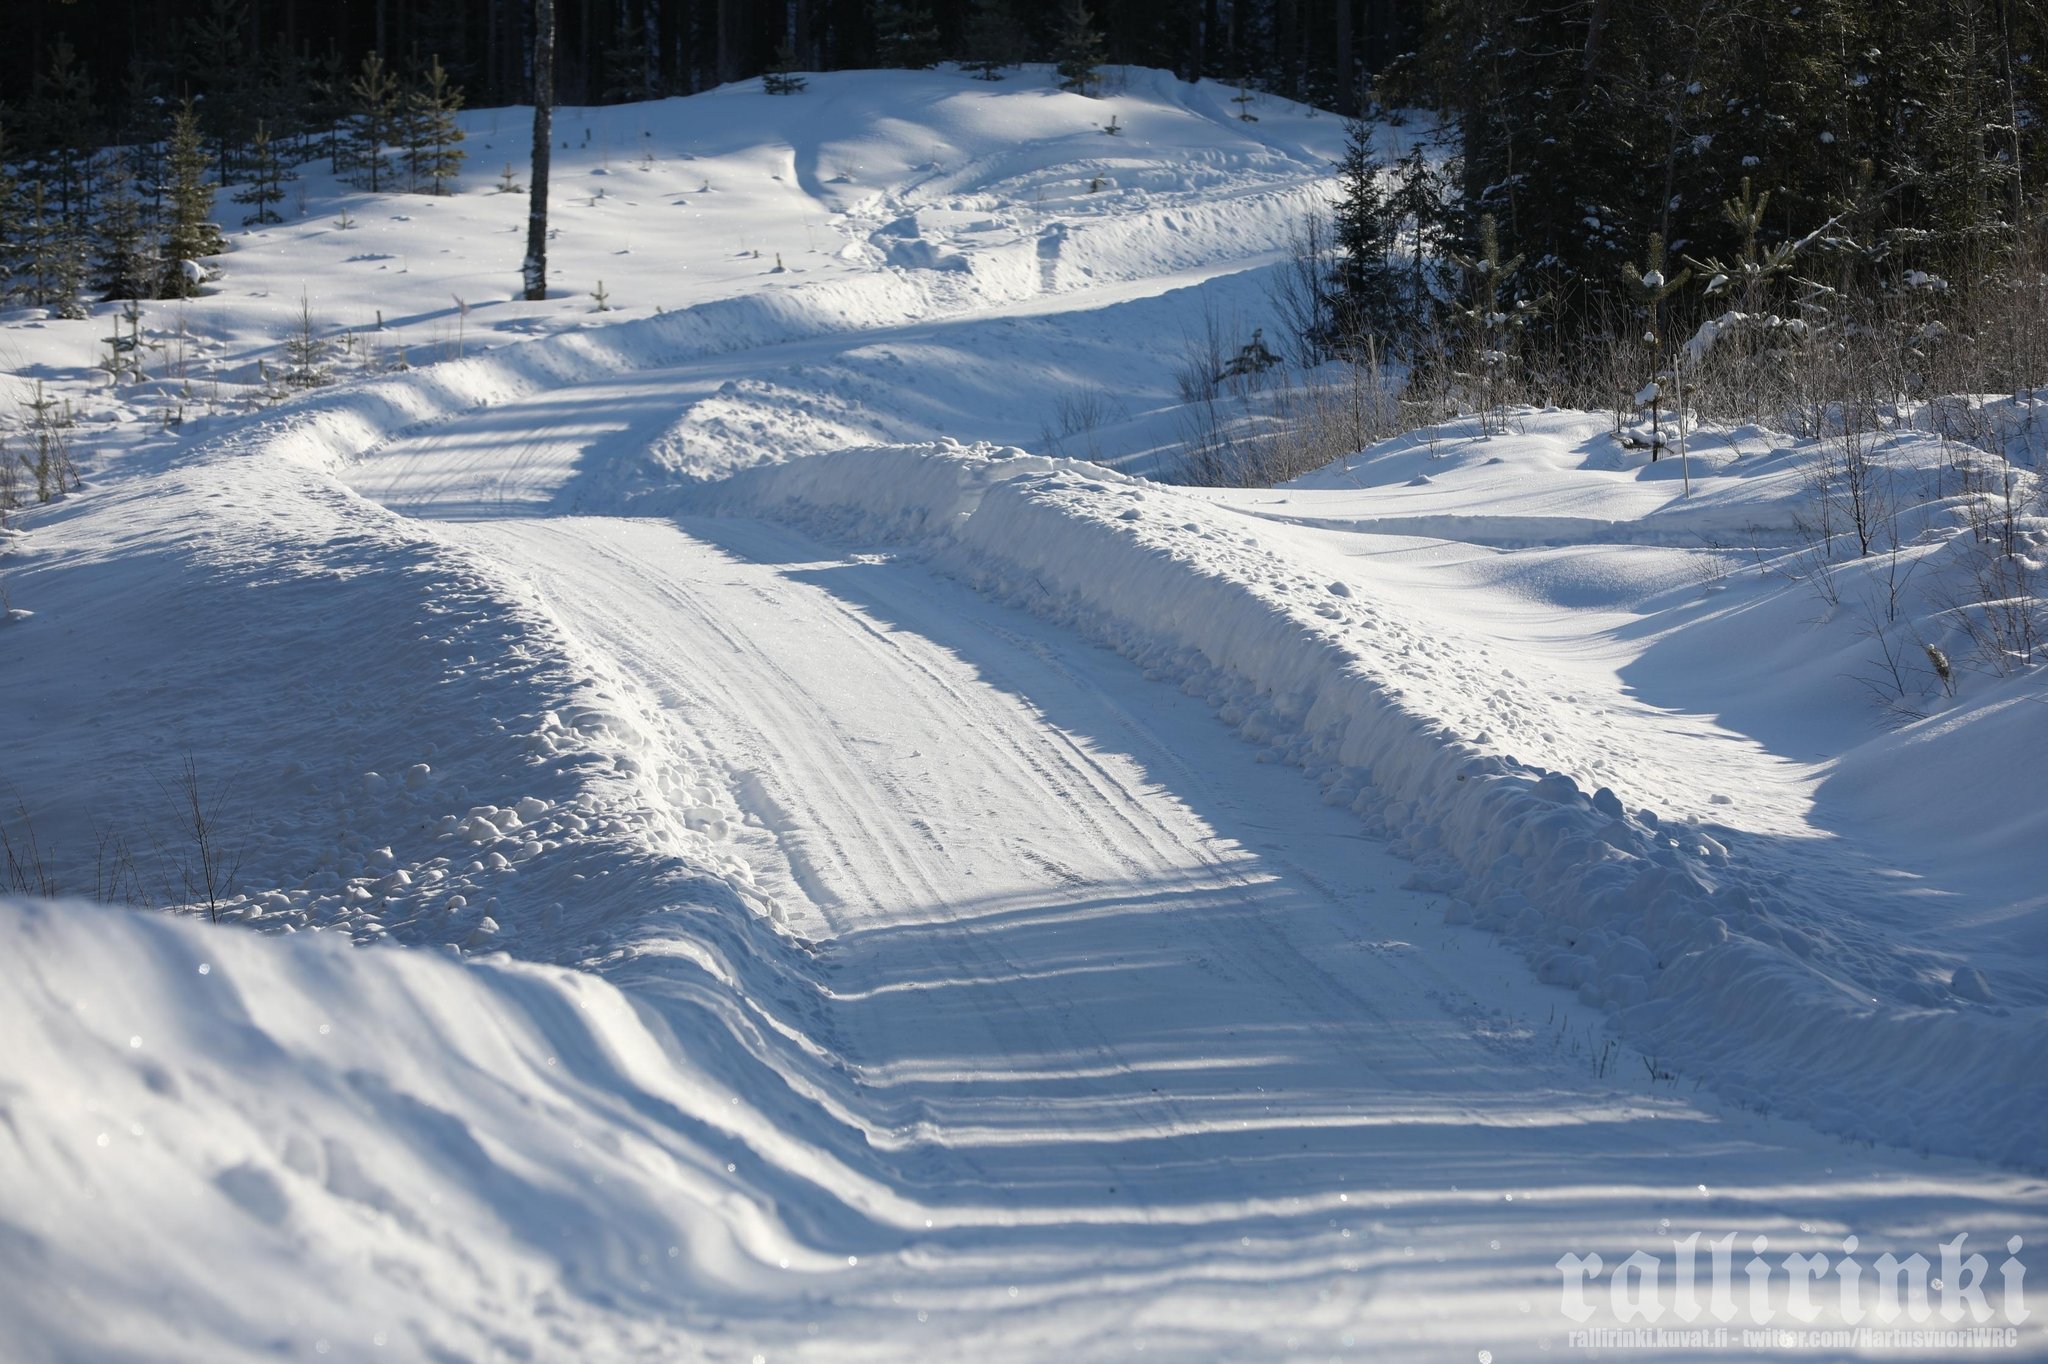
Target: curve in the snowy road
1113, 1000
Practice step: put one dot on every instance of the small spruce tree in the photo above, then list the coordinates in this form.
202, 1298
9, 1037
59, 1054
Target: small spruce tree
1650, 287
781, 78
281, 98
431, 136
372, 122
55, 266
1492, 323
217, 54
267, 174
1079, 59
125, 263
307, 353
328, 106
62, 125
142, 121
1749, 340
1418, 201
190, 235
1362, 286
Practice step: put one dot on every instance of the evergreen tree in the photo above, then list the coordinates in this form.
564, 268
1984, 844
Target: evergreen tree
995, 39
1748, 278
125, 263
1418, 207
282, 100
267, 174
372, 123
217, 56
1582, 128
307, 352
431, 136
54, 262
1362, 287
1958, 167
628, 65
10, 221
906, 35
1749, 339
1650, 288
781, 78
1492, 323
190, 235
327, 108
1079, 59
62, 127
140, 120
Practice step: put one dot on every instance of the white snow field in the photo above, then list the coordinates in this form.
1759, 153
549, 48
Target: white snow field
758, 866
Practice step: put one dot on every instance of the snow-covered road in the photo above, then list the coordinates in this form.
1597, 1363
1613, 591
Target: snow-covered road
1124, 1011
738, 873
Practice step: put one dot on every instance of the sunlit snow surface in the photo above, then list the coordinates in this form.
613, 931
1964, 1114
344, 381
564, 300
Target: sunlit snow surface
806, 939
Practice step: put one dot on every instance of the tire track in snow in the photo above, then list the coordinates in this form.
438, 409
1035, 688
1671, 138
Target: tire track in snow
871, 845
869, 861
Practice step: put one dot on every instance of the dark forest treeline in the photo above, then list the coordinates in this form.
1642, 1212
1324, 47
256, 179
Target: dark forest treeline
1886, 136
610, 50
1597, 152
117, 119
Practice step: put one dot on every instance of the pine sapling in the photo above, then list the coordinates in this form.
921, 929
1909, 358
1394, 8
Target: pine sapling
307, 353
267, 177
1491, 324
432, 137
191, 235
373, 122
1650, 288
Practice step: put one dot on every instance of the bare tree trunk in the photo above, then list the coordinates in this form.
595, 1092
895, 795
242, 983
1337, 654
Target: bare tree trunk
536, 269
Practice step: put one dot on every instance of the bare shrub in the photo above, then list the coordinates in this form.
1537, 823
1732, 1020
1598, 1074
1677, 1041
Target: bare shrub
23, 860
206, 870
1078, 419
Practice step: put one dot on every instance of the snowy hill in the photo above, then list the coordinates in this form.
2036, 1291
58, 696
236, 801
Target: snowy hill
786, 933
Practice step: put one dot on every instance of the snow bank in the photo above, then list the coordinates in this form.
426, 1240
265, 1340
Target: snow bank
224, 1146
390, 738
1715, 970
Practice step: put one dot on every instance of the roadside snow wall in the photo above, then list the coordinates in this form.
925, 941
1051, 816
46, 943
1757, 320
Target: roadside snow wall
1701, 965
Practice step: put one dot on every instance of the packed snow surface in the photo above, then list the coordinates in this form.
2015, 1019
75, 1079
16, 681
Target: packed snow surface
767, 856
